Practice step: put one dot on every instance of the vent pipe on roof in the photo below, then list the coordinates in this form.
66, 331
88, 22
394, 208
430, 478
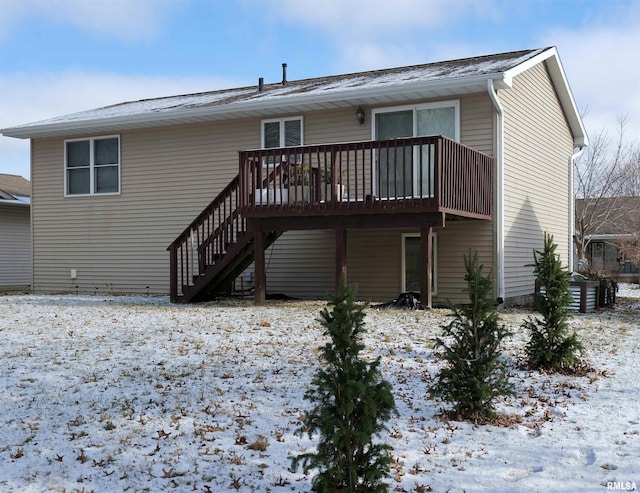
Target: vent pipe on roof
284, 74
261, 84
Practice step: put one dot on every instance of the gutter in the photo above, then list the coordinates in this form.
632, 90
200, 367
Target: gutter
493, 94
14, 203
610, 236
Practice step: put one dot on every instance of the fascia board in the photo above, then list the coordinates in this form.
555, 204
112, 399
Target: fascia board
611, 236
256, 107
15, 203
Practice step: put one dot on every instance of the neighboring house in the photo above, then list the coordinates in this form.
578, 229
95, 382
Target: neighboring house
612, 223
15, 232
390, 176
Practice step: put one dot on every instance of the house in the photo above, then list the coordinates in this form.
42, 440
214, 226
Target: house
390, 176
15, 232
611, 226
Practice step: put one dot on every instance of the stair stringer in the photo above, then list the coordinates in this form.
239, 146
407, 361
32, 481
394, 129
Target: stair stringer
215, 278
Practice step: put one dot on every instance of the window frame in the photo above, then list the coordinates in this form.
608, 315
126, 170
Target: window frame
403, 252
282, 121
414, 109
455, 103
93, 166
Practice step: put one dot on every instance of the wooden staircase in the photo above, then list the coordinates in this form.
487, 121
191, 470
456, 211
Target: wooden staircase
213, 250
413, 182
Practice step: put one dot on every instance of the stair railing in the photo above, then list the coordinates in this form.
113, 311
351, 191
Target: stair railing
206, 239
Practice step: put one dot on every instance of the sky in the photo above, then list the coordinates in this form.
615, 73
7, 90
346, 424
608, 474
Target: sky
62, 56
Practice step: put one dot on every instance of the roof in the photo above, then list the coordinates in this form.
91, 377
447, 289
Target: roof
14, 190
612, 216
441, 79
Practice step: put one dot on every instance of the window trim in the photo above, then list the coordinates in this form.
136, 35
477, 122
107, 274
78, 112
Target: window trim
282, 121
403, 272
92, 166
455, 103
414, 108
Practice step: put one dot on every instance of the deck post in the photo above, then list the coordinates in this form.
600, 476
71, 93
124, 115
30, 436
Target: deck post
173, 273
341, 256
426, 268
260, 273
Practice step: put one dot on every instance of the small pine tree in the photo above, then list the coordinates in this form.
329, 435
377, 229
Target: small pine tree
474, 375
352, 404
551, 347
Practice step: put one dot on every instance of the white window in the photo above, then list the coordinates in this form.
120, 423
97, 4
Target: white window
411, 263
440, 118
282, 132
92, 166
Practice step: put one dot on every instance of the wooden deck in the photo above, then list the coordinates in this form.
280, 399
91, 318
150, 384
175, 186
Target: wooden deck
412, 182
402, 176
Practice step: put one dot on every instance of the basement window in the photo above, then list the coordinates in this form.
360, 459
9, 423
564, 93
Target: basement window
92, 166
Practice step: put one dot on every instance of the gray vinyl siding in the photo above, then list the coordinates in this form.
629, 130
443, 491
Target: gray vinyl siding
118, 243
456, 240
538, 146
168, 175
302, 263
374, 259
477, 123
374, 262
15, 247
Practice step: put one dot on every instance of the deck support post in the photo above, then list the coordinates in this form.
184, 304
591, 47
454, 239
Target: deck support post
341, 256
260, 271
173, 274
426, 267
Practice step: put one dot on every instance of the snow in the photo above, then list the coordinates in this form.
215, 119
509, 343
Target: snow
17, 200
450, 70
136, 394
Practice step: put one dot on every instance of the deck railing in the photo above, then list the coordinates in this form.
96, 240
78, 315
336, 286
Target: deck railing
416, 173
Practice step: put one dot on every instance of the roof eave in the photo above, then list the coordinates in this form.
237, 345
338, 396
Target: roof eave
342, 98
610, 236
15, 203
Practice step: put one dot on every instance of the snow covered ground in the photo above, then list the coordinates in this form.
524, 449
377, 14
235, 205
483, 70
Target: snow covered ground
111, 394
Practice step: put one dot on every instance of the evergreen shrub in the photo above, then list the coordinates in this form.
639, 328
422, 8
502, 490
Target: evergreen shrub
351, 404
475, 374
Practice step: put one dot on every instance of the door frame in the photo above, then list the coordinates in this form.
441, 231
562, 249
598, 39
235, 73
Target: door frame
434, 273
414, 108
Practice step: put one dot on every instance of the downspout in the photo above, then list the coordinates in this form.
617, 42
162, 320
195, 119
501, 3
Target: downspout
572, 204
31, 221
499, 214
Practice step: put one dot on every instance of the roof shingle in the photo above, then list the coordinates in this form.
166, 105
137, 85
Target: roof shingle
15, 185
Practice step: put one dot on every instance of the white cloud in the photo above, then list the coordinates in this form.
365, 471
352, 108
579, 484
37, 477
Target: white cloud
601, 62
32, 97
379, 17
600, 55
370, 34
123, 19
